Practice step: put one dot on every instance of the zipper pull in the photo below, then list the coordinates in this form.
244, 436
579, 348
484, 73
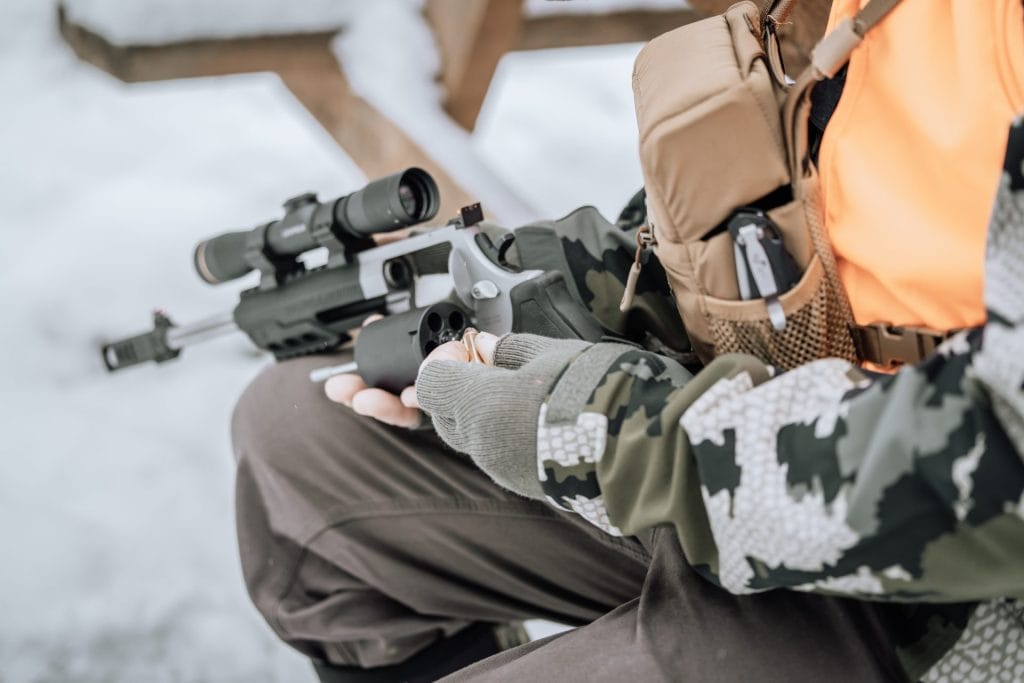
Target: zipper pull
644, 239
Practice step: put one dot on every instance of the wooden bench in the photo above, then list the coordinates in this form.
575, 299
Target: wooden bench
472, 36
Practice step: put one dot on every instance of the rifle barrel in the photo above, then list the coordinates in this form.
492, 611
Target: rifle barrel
179, 337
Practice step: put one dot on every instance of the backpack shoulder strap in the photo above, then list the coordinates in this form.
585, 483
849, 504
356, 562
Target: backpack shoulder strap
827, 57
834, 49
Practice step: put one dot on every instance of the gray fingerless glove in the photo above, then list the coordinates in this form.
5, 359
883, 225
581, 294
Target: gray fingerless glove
490, 413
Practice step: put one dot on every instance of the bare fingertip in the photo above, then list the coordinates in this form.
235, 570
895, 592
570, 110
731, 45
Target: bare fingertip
485, 344
334, 393
361, 404
408, 398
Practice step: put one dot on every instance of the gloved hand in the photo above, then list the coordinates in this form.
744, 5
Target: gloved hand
490, 413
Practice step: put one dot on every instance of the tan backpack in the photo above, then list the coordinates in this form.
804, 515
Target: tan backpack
733, 200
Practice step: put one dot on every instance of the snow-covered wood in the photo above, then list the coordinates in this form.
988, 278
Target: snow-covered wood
307, 67
473, 35
159, 22
383, 104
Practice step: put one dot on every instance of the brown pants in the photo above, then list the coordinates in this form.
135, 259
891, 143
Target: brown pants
363, 544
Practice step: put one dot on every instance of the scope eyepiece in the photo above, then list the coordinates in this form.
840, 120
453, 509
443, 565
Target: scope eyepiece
384, 205
419, 195
389, 204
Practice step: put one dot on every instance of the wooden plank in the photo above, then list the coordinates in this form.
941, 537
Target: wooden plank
308, 69
376, 144
139, 63
472, 36
575, 30
805, 27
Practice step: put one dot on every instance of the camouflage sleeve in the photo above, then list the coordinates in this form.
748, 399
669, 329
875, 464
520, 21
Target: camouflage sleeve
609, 445
597, 255
904, 487
825, 479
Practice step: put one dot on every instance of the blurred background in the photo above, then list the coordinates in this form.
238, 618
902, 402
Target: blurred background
131, 129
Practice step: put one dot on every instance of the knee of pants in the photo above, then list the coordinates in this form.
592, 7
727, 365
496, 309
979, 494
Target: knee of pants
304, 451
284, 423
302, 459
267, 398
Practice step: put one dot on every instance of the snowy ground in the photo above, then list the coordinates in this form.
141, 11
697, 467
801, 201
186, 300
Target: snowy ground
116, 491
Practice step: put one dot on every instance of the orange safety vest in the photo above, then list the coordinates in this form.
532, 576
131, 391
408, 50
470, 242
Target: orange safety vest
911, 159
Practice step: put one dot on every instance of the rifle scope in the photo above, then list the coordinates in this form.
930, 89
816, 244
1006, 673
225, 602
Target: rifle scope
384, 205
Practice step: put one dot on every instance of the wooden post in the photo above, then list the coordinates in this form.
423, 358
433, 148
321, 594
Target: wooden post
575, 30
472, 36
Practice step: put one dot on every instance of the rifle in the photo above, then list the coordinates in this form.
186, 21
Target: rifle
297, 311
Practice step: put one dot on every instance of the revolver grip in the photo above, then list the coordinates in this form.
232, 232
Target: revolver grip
545, 306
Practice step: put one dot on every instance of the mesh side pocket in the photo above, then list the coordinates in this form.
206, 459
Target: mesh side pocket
816, 325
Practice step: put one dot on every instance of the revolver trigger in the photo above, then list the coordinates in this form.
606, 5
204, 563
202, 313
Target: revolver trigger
497, 254
504, 244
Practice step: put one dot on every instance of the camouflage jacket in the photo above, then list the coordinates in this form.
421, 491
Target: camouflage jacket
906, 488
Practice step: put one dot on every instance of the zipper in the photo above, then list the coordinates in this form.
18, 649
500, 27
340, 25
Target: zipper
645, 239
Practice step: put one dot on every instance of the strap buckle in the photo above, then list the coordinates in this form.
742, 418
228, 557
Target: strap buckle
890, 346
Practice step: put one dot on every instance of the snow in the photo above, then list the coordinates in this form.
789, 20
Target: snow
117, 524
558, 126
538, 8
156, 22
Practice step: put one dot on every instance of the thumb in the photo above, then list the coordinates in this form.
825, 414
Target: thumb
485, 344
